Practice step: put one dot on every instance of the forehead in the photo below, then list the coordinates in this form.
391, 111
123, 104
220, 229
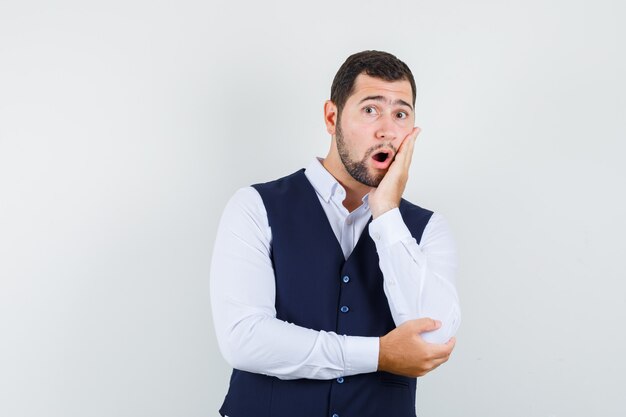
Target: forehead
366, 86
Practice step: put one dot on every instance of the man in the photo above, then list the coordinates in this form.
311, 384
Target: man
318, 317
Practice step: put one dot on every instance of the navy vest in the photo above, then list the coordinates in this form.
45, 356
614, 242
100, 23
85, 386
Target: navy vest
311, 292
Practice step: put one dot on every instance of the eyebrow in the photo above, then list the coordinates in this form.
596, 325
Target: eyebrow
382, 98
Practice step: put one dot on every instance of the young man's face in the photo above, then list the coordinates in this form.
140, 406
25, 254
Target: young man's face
374, 121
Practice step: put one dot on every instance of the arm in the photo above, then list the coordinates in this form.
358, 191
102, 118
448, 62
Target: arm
419, 279
250, 336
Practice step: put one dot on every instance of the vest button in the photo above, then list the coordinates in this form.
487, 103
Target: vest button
335, 415
344, 309
340, 380
345, 279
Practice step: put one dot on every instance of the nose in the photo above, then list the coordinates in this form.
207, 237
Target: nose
386, 129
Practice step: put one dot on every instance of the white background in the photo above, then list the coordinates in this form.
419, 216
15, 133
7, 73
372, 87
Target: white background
126, 125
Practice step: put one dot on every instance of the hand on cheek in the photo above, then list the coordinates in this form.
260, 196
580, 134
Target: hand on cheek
389, 192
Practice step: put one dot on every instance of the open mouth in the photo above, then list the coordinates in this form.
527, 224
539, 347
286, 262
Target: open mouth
381, 156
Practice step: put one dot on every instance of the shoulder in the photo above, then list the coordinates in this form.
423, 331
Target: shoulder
430, 229
413, 210
280, 185
245, 206
415, 217
250, 202
433, 225
245, 199
434, 222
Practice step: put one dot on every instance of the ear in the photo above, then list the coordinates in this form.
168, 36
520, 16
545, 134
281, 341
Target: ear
330, 116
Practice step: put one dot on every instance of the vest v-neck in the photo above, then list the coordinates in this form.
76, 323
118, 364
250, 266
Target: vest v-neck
315, 202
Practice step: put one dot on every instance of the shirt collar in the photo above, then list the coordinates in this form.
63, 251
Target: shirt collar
321, 180
324, 183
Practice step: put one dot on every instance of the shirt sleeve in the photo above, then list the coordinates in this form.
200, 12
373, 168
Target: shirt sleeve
243, 293
419, 279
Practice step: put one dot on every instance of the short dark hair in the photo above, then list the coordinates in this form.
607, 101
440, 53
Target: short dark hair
376, 64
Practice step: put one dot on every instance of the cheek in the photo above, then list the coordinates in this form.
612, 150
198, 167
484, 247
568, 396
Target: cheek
357, 139
358, 131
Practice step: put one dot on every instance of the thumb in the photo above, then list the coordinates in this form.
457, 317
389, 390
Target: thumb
426, 325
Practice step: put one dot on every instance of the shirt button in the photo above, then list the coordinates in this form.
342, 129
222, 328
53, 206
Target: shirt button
344, 309
345, 279
340, 380
377, 236
349, 221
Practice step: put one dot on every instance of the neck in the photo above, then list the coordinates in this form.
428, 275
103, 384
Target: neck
355, 191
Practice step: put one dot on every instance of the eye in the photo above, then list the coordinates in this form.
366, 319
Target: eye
401, 115
369, 110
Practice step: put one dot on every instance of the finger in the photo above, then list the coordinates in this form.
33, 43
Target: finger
435, 366
451, 342
414, 133
437, 362
442, 350
411, 146
405, 151
425, 324
408, 139
413, 136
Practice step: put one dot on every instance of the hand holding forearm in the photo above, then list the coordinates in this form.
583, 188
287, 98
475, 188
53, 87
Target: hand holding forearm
404, 352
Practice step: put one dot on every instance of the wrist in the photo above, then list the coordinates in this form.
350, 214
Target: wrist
382, 357
380, 209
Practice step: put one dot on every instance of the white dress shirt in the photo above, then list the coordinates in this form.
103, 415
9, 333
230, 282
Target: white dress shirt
419, 281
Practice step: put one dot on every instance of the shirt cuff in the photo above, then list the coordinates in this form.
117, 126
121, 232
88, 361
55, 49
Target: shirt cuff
389, 228
361, 355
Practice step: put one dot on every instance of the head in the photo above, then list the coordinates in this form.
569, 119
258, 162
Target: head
370, 112
376, 64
